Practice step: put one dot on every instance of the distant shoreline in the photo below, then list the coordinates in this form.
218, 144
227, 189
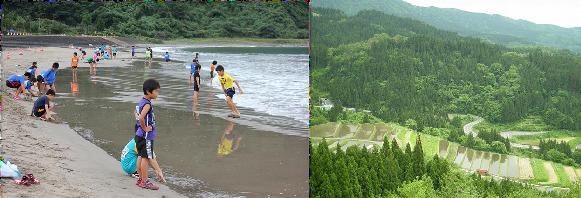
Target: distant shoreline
65, 40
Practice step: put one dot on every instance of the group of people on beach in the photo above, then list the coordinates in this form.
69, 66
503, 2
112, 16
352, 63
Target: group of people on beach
138, 155
45, 81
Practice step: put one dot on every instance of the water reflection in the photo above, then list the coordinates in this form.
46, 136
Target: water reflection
229, 141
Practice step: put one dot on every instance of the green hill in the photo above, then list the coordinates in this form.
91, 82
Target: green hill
496, 28
161, 20
402, 69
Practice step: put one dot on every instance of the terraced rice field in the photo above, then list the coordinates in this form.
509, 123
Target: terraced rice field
507, 166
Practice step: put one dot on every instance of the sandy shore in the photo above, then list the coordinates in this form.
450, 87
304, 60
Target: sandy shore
66, 164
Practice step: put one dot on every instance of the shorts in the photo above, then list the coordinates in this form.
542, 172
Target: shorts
39, 112
212, 74
12, 84
132, 53
32, 79
144, 147
196, 87
230, 92
39, 78
114, 54
74, 67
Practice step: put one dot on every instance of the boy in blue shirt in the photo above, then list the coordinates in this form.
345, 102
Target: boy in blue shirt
18, 82
42, 108
47, 78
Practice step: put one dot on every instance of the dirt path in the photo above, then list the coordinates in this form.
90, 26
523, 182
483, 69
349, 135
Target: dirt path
469, 128
525, 168
551, 172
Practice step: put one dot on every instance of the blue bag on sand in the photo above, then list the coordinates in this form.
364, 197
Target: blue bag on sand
129, 157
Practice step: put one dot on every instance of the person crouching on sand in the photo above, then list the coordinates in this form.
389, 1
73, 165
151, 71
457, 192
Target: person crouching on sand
42, 107
20, 83
48, 78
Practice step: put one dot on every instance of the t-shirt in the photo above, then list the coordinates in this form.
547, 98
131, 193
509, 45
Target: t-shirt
28, 84
114, 50
40, 102
129, 157
132, 50
31, 70
49, 76
227, 81
193, 68
166, 56
149, 120
147, 53
75, 61
90, 59
16, 78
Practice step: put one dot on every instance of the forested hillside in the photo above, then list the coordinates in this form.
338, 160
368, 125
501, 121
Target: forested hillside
403, 69
496, 28
161, 20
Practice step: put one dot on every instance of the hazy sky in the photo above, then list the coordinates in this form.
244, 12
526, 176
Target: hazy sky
564, 13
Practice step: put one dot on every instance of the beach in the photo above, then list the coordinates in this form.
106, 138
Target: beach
66, 164
270, 158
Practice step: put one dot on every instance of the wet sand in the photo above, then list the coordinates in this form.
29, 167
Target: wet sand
266, 163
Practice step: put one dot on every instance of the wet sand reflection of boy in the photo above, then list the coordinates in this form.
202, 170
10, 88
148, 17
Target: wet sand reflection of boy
229, 142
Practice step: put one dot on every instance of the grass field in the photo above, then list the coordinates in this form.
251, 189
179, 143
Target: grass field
563, 178
531, 123
430, 145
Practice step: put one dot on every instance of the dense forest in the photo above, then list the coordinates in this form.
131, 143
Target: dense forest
401, 70
391, 172
496, 28
161, 20
559, 152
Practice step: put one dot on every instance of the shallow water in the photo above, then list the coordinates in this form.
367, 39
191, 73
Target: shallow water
460, 155
268, 156
494, 163
443, 148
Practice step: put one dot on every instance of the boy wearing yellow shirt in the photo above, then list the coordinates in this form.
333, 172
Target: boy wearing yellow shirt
227, 83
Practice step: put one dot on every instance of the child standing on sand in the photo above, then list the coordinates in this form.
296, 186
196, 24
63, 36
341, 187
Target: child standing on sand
227, 83
42, 108
146, 133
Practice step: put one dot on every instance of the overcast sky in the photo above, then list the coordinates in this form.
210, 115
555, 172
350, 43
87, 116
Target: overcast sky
564, 13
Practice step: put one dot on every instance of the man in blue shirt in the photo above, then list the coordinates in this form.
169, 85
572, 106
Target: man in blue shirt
19, 83
48, 78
